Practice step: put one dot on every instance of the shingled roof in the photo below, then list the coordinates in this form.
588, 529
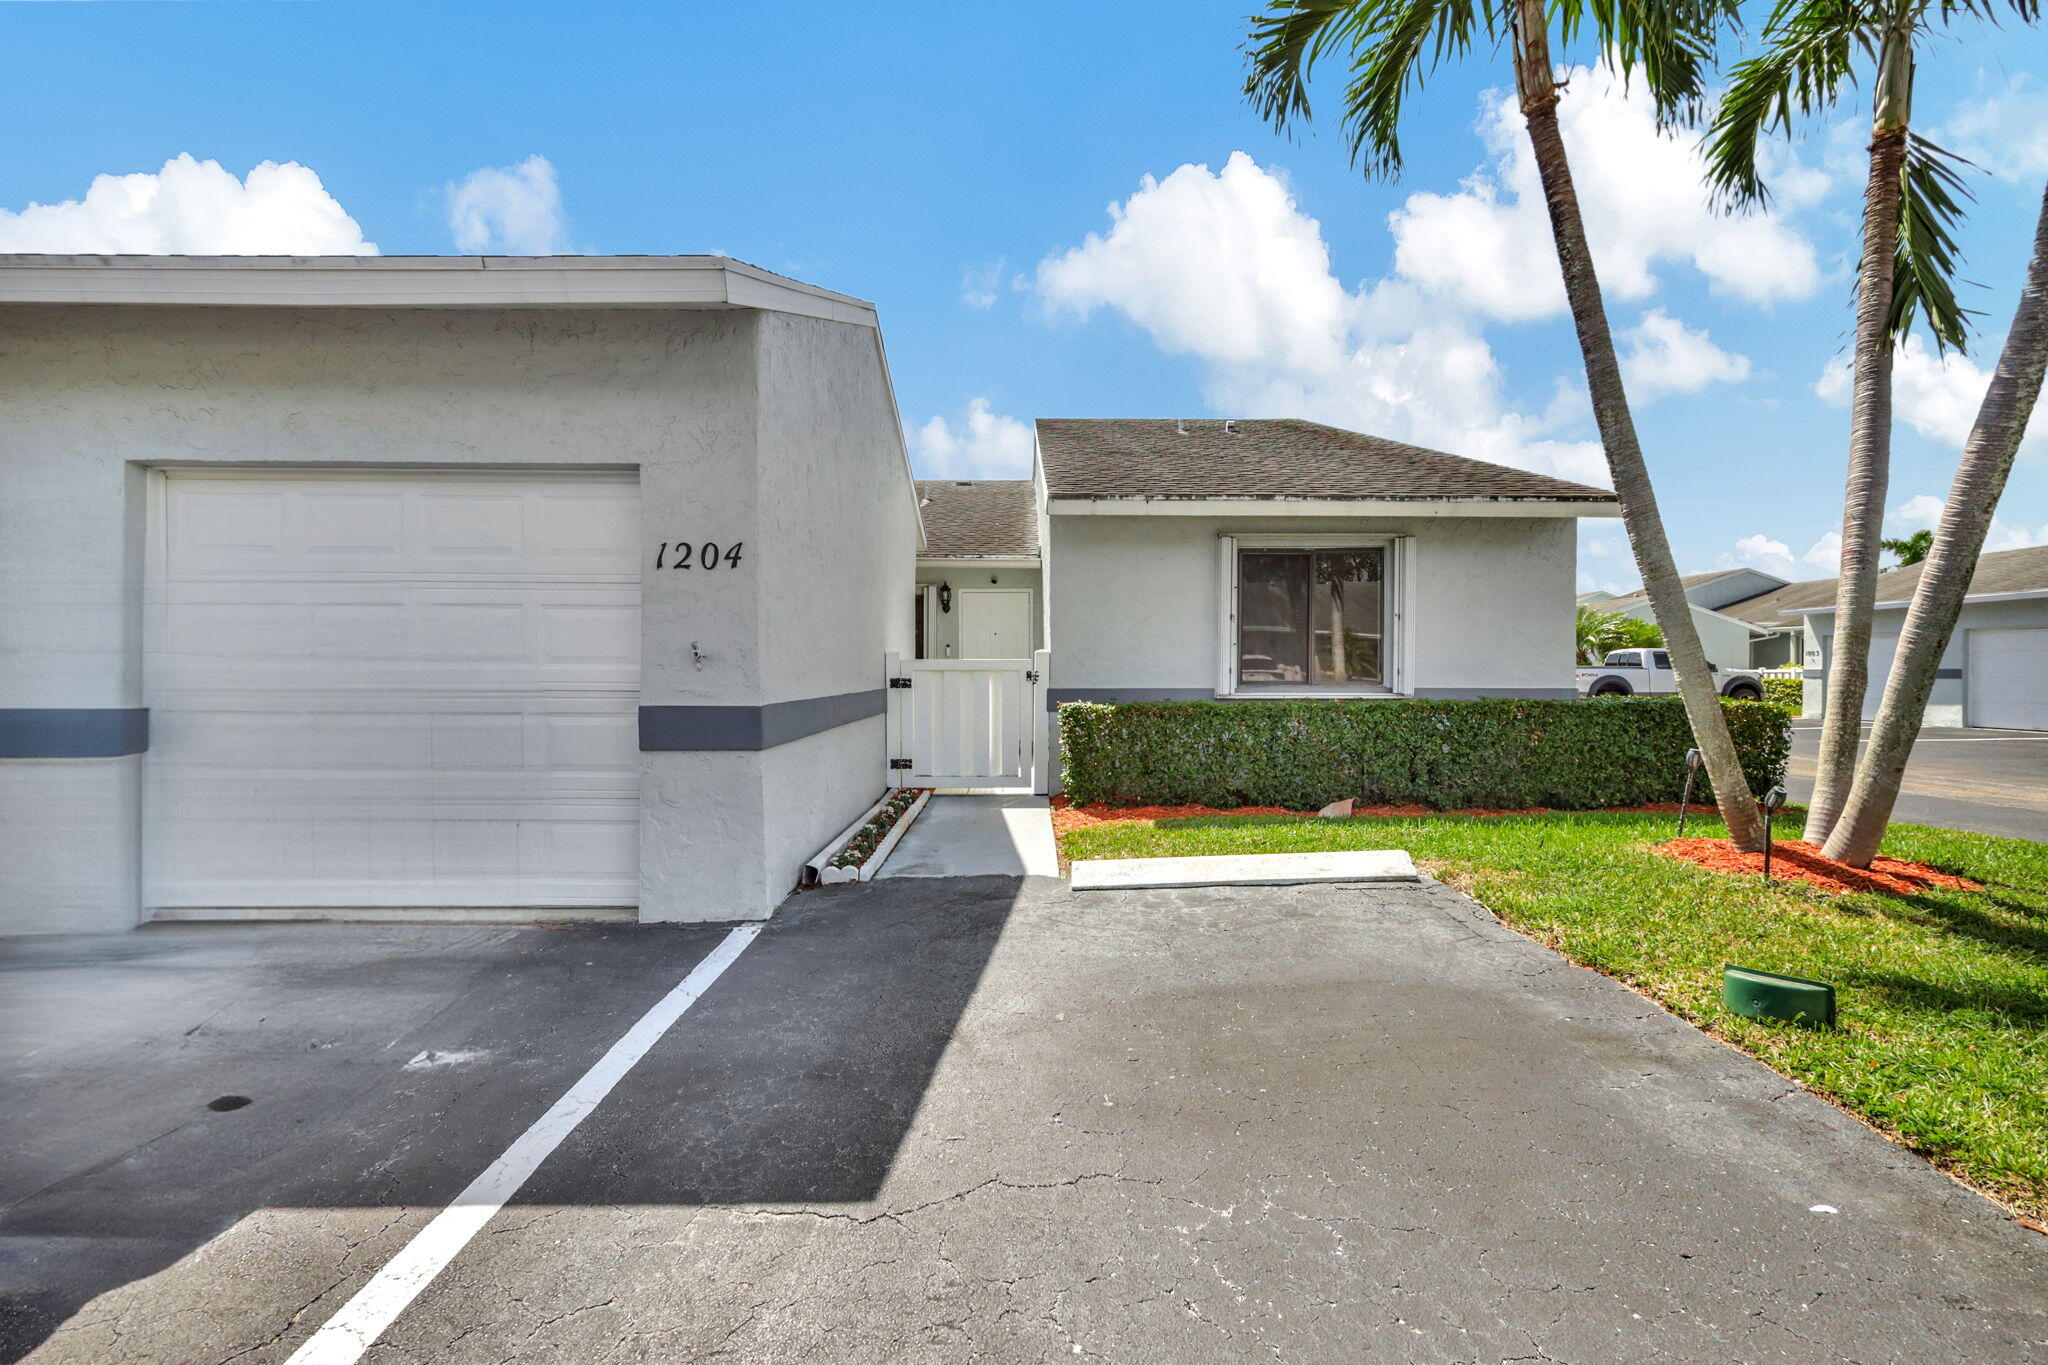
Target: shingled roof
988, 517
2000, 572
1261, 459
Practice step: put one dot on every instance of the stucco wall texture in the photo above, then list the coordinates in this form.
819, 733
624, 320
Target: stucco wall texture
765, 428
1134, 600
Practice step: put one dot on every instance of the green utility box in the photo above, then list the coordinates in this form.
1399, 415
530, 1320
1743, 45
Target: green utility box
1766, 995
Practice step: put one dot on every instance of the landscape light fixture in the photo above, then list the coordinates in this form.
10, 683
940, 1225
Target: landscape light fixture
1773, 802
1692, 765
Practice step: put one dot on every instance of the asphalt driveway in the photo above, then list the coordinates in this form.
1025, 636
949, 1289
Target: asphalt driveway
1990, 781
966, 1118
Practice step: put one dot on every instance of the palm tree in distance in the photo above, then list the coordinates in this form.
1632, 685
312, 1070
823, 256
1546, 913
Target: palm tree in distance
1910, 549
1391, 47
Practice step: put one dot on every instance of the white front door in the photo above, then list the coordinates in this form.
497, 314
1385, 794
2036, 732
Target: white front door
995, 623
2006, 681
379, 689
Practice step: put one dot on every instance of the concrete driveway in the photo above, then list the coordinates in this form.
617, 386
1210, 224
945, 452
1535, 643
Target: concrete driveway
1990, 781
968, 1119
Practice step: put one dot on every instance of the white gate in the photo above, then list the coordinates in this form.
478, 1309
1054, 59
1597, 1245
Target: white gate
975, 723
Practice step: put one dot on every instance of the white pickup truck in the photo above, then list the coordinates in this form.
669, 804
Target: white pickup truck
1647, 673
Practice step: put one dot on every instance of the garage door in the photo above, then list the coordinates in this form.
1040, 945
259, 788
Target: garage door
378, 689
1882, 650
2006, 681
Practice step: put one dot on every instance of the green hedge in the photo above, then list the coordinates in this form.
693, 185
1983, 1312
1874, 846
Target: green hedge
1570, 755
1787, 693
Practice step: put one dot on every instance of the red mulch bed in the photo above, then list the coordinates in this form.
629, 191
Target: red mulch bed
1795, 860
1067, 817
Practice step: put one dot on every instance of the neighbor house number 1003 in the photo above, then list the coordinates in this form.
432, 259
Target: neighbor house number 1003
705, 556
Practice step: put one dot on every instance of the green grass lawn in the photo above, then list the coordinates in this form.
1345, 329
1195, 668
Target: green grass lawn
1943, 996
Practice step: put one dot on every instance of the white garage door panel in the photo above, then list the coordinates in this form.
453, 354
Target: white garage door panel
1883, 649
374, 689
2006, 682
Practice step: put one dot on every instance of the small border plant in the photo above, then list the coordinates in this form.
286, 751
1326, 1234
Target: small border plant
869, 836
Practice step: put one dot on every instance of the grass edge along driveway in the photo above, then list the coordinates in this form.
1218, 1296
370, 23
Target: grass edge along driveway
1943, 996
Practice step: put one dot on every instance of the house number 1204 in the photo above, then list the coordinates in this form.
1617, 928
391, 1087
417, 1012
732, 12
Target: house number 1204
709, 555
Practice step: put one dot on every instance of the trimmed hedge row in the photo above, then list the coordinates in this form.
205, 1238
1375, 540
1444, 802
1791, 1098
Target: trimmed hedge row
1569, 755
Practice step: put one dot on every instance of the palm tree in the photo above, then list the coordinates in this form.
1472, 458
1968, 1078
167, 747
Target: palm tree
1912, 200
1392, 46
1958, 540
1910, 549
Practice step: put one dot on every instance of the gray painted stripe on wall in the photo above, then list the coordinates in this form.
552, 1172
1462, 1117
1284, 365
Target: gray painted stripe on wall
1947, 674
1478, 693
73, 732
665, 729
1055, 695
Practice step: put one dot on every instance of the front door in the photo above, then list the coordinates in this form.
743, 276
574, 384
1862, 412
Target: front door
995, 623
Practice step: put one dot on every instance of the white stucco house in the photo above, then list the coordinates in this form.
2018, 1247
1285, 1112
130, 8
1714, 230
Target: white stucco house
465, 585
1994, 673
1735, 630
545, 587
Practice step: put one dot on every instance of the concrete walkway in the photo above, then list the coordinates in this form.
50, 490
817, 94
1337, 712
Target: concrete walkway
978, 836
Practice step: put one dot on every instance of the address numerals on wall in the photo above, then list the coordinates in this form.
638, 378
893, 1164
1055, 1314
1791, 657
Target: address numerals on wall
683, 554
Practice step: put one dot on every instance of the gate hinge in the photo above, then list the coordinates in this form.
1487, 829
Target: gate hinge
1030, 675
900, 765
899, 682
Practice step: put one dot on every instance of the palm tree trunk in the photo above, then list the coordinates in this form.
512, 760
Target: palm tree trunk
1950, 564
1537, 86
1870, 447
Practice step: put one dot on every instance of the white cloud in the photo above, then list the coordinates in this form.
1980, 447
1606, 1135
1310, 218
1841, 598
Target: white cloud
1937, 395
2003, 130
1825, 555
1923, 513
1224, 266
193, 207
1663, 355
1761, 552
981, 286
1917, 513
1488, 247
513, 210
984, 445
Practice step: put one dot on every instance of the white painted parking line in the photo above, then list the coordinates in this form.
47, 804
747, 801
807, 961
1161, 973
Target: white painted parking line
344, 1337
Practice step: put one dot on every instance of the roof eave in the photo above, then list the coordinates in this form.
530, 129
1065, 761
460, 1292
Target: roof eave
1295, 505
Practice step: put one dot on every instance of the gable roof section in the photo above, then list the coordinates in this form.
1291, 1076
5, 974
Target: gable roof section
1767, 608
1689, 582
995, 518
1129, 458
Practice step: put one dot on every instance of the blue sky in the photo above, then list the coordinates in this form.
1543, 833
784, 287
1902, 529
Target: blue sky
952, 162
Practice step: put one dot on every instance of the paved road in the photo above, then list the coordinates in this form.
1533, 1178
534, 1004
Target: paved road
1991, 781
978, 1118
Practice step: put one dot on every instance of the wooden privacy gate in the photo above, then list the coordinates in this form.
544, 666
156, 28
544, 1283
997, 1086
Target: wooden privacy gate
974, 723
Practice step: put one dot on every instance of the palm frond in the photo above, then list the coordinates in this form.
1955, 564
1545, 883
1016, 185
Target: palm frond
1931, 199
1670, 43
1393, 45
1807, 56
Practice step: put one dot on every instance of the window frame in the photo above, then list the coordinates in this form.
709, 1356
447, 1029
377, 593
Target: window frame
1398, 569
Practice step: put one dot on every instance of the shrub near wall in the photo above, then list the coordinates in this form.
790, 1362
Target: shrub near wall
1789, 694
1570, 755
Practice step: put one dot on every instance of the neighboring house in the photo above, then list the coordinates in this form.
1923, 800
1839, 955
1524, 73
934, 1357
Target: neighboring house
979, 590
1731, 639
1995, 670
556, 585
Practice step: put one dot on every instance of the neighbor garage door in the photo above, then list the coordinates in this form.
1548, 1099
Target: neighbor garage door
378, 689
2006, 679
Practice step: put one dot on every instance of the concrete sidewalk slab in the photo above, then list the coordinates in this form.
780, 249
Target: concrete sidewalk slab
1244, 869
978, 836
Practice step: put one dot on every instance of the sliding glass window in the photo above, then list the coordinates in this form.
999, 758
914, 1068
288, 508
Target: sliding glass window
1311, 618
